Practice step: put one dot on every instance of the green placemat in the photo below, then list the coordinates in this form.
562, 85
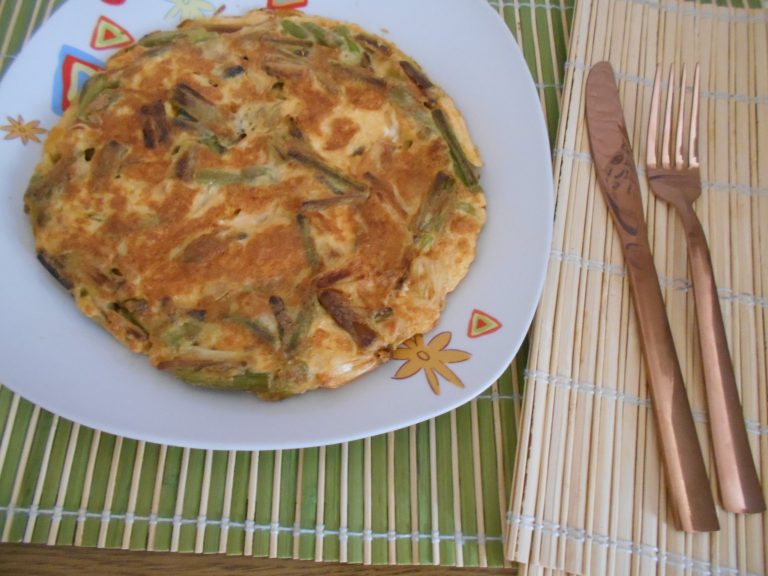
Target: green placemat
432, 493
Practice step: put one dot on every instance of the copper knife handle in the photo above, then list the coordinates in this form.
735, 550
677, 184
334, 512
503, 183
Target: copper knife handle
683, 462
739, 485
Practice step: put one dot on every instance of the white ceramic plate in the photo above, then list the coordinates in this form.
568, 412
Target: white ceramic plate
55, 357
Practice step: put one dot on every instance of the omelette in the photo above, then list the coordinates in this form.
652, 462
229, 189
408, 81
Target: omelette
271, 202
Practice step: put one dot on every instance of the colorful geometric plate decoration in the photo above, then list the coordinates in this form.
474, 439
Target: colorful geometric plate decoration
482, 323
74, 69
108, 34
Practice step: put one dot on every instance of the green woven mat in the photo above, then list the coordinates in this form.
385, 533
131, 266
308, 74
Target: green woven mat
433, 493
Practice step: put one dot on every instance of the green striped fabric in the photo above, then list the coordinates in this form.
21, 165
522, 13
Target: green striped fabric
436, 492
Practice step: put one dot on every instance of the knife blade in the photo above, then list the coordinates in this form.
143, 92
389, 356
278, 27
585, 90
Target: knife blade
686, 475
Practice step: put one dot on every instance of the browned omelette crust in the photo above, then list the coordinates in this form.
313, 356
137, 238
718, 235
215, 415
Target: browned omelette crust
271, 202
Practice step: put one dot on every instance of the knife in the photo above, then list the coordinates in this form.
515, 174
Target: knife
683, 463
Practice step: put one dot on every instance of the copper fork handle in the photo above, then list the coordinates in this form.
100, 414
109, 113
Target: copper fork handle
739, 485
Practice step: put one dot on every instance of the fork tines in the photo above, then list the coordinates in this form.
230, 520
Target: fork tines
673, 152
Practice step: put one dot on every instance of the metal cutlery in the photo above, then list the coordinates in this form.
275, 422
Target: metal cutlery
673, 176
683, 463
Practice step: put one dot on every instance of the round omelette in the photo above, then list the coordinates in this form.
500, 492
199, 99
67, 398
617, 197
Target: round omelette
270, 202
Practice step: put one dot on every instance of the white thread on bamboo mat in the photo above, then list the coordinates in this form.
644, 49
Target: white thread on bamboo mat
320, 510
456, 491
275, 515
29, 434
680, 284
297, 505
156, 493
706, 185
414, 493
250, 513
739, 188
703, 14
742, 298
180, 492
61, 495
133, 495
656, 554
549, 85
121, 517
104, 526
296, 539
707, 94
531, 5
90, 467
33, 509
494, 396
202, 508
320, 533
367, 500
391, 529
227, 508
433, 492
568, 383
587, 264
648, 82
343, 503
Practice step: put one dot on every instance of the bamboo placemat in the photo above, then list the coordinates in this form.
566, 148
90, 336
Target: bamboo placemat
432, 493
589, 495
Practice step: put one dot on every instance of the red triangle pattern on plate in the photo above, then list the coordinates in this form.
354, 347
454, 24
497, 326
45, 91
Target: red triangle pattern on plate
482, 323
109, 34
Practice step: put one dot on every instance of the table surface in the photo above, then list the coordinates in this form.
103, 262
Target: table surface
23, 559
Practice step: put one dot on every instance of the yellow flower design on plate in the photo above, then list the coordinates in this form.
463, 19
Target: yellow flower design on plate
27, 131
431, 357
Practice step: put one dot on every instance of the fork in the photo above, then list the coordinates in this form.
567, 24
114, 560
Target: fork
673, 176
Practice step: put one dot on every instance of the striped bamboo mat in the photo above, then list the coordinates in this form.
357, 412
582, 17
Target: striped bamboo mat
588, 494
433, 493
